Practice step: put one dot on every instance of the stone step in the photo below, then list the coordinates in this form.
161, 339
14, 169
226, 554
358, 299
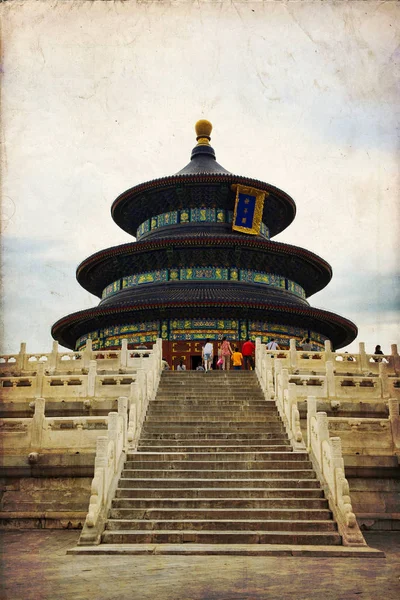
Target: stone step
221, 420
215, 456
211, 410
233, 504
252, 494
230, 374
213, 394
195, 404
221, 537
219, 473
215, 437
210, 427
225, 382
219, 483
194, 524
248, 391
207, 387
210, 400
216, 449
122, 510
179, 410
215, 465
202, 381
217, 444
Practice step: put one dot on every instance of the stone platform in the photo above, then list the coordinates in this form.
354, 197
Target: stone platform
35, 567
228, 550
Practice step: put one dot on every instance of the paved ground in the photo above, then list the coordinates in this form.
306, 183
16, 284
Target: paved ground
35, 567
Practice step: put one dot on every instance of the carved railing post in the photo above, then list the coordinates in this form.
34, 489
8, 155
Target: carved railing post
311, 413
87, 354
330, 379
97, 490
113, 420
123, 355
91, 385
284, 380
341, 491
328, 350
363, 358
158, 349
394, 360
21, 357
123, 413
38, 424
258, 357
133, 409
39, 379
294, 419
394, 419
323, 433
269, 375
52, 365
384, 380
293, 354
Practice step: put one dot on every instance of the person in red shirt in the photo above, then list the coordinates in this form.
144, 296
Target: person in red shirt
248, 351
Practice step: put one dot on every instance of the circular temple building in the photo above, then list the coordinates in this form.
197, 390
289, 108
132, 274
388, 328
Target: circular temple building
203, 266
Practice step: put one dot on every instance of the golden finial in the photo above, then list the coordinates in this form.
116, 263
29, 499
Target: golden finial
203, 130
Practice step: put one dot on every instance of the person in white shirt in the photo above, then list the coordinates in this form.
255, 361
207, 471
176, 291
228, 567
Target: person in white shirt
207, 354
272, 345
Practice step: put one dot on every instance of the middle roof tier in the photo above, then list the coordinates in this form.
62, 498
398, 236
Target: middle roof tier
301, 266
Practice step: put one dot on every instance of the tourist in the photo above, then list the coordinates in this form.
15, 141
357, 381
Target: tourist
181, 366
248, 349
200, 368
305, 344
378, 350
226, 352
165, 365
207, 355
273, 345
237, 359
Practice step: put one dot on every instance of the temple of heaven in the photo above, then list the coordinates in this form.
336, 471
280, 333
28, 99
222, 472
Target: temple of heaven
203, 266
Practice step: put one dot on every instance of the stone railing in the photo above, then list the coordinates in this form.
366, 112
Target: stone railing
284, 394
286, 401
369, 436
109, 461
132, 377
326, 455
86, 383
64, 387
64, 362
45, 434
298, 361
394, 417
124, 431
335, 387
285, 385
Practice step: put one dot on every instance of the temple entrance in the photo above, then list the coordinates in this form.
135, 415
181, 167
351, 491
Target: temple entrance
195, 361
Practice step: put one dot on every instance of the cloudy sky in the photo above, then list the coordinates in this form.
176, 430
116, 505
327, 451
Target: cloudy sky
99, 96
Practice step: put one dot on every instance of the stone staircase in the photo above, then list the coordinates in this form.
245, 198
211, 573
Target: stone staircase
214, 466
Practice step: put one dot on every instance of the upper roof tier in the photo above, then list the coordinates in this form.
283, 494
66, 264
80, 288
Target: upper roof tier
201, 183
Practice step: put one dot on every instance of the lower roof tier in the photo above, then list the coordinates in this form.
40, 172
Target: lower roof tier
307, 269
206, 302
